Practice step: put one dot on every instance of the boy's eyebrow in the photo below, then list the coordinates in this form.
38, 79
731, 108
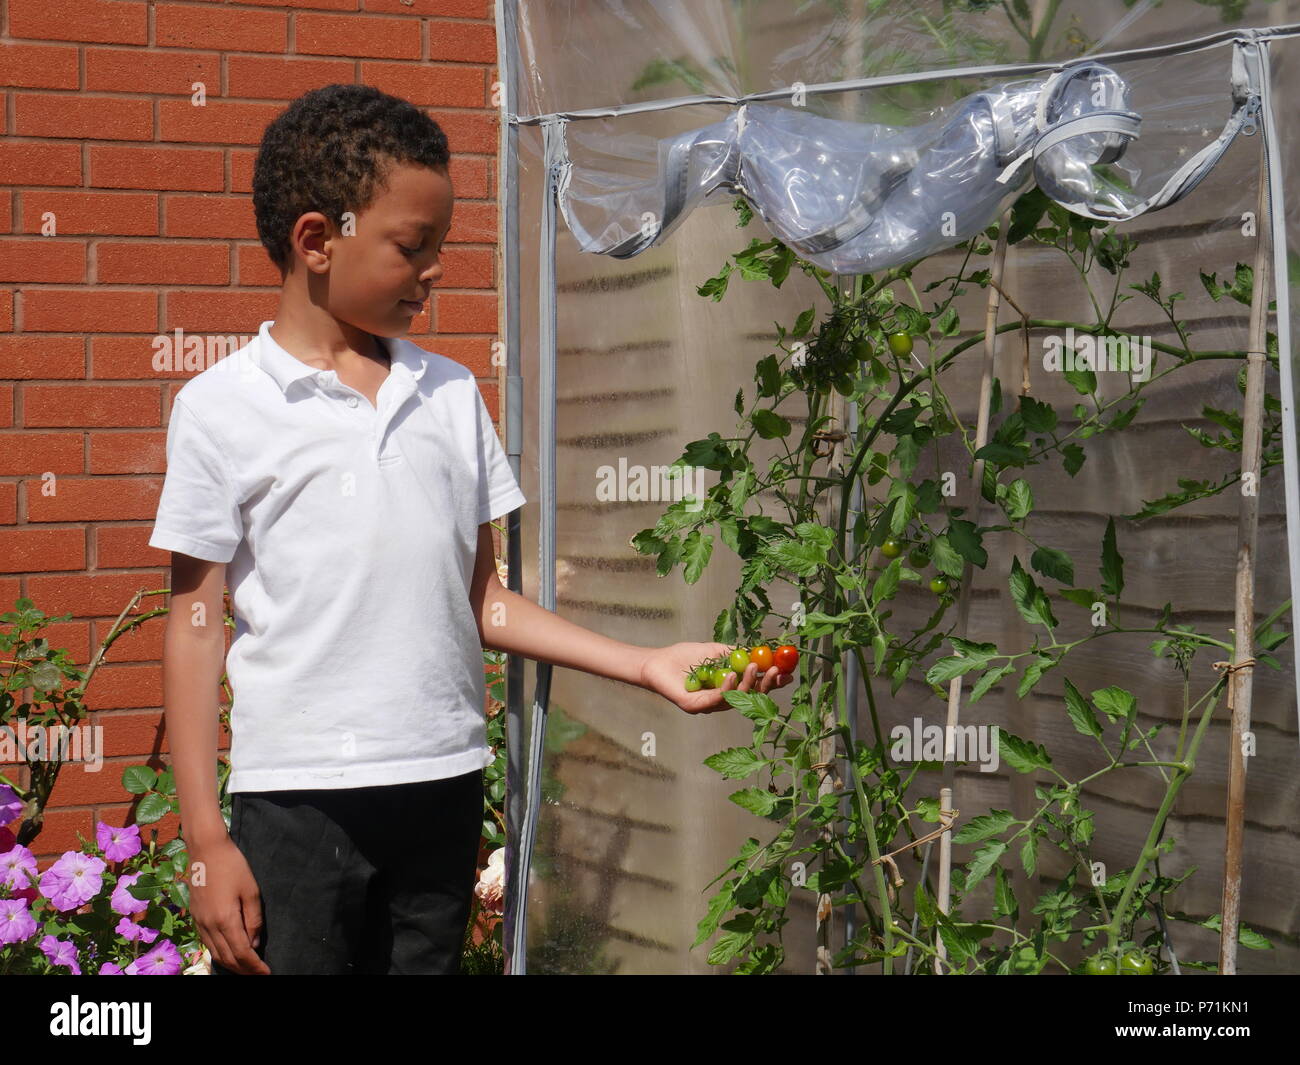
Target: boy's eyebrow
425, 227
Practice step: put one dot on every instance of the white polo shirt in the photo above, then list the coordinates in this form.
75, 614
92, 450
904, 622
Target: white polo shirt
351, 534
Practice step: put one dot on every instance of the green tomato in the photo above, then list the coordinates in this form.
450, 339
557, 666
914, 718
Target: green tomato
693, 682
891, 548
900, 344
738, 661
919, 558
939, 585
1136, 963
1100, 965
720, 676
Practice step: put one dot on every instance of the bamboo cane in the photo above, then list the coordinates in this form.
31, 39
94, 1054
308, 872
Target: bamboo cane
1241, 668
963, 593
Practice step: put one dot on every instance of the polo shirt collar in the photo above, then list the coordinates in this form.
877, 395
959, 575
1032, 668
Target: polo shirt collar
285, 368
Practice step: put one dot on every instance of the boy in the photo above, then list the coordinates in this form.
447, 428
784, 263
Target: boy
349, 477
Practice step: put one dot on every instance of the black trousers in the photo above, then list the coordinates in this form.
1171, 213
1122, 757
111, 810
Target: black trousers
374, 881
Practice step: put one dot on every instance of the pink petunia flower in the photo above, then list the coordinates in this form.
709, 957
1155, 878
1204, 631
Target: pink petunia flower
16, 921
123, 901
73, 880
17, 868
118, 844
11, 807
61, 952
110, 969
129, 930
163, 960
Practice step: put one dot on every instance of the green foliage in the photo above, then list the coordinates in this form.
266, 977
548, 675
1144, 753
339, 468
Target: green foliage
823, 844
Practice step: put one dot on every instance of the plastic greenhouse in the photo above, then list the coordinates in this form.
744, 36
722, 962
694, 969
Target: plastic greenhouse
977, 373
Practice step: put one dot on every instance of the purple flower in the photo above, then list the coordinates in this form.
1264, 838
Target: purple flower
118, 844
109, 969
11, 807
123, 901
163, 960
129, 930
17, 868
61, 952
16, 922
73, 880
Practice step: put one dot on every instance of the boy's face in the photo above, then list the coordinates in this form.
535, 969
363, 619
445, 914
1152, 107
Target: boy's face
379, 278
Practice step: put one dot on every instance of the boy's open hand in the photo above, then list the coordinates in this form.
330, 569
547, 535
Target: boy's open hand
665, 668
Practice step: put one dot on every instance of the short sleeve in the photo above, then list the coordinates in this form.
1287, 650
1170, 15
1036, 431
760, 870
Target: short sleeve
498, 491
198, 513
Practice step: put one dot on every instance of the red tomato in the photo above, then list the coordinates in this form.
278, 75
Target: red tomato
786, 658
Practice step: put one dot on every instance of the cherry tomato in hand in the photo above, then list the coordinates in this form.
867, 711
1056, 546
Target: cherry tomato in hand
891, 548
761, 656
738, 660
786, 658
720, 676
693, 682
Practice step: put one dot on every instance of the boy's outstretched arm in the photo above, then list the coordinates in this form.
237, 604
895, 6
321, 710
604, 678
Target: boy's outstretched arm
512, 623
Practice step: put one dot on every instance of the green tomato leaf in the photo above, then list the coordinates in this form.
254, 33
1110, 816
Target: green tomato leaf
946, 560
1116, 703
986, 826
985, 858
697, 550
1020, 499
1053, 563
887, 583
1073, 456
756, 800
966, 540
1030, 600
987, 681
768, 424
736, 762
1112, 565
1085, 721
1023, 756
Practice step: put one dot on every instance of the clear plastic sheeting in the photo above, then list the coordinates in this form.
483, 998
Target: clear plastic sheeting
855, 196
580, 54
628, 121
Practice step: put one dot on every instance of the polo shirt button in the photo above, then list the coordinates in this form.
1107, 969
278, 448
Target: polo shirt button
352, 401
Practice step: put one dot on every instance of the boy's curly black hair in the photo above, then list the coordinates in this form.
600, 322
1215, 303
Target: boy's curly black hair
330, 151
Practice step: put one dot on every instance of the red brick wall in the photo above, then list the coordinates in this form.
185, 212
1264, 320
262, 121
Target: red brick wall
155, 231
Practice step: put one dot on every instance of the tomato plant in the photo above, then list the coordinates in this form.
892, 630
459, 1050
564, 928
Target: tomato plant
817, 533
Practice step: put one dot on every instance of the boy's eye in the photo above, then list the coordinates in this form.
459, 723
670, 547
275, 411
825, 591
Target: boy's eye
408, 251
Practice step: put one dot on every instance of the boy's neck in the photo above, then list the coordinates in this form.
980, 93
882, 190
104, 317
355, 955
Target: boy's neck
336, 346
